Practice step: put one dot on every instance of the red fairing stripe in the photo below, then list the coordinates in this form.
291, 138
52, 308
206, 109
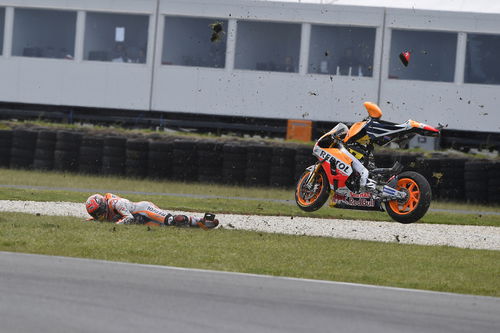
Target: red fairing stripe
430, 128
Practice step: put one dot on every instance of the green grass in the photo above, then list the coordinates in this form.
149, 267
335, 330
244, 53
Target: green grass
217, 205
410, 266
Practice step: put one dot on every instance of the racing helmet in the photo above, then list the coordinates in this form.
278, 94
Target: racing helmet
96, 206
339, 131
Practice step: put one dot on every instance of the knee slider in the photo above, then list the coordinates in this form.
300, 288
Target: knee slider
180, 221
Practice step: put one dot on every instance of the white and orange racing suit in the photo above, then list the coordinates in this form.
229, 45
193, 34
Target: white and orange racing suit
124, 211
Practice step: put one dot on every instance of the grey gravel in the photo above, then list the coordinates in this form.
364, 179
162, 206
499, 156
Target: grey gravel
462, 236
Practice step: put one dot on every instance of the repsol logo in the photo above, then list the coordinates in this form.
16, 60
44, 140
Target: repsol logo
346, 168
156, 211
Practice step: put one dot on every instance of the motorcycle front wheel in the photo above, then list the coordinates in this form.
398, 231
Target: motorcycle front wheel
311, 197
417, 201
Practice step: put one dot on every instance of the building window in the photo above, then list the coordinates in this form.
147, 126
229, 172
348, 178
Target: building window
267, 46
339, 50
432, 55
192, 41
44, 33
2, 24
116, 37
481, 60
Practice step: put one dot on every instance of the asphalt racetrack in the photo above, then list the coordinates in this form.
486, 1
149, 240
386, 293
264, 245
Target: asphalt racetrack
57, 294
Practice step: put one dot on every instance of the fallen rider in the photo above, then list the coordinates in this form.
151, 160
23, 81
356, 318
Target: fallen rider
112, 208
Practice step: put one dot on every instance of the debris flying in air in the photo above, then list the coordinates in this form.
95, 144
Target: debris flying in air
405, 57
217, 31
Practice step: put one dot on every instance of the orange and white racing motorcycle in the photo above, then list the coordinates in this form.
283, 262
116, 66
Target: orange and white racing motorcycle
405, 195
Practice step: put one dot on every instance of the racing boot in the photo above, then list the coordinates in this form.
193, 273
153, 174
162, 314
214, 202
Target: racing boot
370, 186
208, 221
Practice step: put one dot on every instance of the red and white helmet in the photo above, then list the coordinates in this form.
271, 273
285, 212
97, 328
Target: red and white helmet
96, 206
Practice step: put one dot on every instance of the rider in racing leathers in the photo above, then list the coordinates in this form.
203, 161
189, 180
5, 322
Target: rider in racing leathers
113, 208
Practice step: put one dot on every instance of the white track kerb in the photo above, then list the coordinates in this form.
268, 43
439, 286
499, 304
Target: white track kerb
463, 236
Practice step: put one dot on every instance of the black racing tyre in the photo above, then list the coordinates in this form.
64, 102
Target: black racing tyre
311, 199
418, 201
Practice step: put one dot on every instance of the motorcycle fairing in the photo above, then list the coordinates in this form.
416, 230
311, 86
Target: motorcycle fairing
337, 166
383, 132
358, 201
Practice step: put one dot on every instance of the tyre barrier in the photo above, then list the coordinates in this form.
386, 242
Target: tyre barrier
113, 155
452, 185
5, 147
282, 170
476, 181
258, 167
67, 150
90, 157
136, 163
213, 161
303, 159
22, 151
234, 163
209, 161
160, 159
494, 183
44, 151
185, 160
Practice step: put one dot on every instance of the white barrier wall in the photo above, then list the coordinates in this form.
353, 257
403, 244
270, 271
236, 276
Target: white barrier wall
77, 82
288, 81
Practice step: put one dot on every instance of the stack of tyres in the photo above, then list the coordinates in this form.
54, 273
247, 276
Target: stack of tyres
258, 165
430, 168
476, 181
185, 160
452, 185
160, 159
67, 152
409, 161
234, 163
136, 164
23, 149
303, 159
5, 147
494, 183
113, 155
209, 161
44, 153
282, 170
90, 161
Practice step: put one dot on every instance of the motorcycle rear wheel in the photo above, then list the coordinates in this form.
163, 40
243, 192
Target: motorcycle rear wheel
414, 207
310, 200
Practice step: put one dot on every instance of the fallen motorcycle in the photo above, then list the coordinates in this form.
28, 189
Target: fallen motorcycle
405, 195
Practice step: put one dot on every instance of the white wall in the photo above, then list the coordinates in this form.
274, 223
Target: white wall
78, 82
458, 105
255, 93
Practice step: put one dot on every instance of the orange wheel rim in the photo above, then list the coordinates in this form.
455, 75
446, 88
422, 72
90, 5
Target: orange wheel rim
307, 197
410, 204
